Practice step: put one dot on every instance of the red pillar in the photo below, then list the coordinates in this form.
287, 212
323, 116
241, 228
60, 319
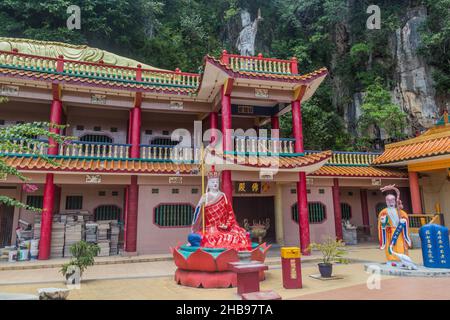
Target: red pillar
135, 132
47, 218
337, 209
49, 189
365, 211
275, 122
227, 186
55, 118
302, 199
130, 229
415, 192
214, 123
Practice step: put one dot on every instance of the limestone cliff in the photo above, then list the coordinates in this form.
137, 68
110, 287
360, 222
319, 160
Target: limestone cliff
412, 83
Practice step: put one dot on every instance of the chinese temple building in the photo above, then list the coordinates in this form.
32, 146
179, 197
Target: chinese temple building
126, 165
427, 159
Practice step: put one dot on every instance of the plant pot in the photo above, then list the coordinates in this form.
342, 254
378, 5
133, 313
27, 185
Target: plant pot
325, 269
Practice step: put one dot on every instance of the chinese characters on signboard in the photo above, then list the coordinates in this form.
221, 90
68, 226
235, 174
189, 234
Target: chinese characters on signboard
251, 187
93, 178
98, 99
7, 90
435, 246
248, 187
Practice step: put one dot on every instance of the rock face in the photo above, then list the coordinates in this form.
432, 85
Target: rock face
414, 90
352, 112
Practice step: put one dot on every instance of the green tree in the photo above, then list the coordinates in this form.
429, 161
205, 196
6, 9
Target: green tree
83, 256
377, 111
322, 129
26, 133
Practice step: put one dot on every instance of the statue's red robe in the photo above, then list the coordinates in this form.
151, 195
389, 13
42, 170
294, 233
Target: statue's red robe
221, 228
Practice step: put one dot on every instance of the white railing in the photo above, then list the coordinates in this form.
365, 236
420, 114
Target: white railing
25, 148
77, 149
254, 145
167, 153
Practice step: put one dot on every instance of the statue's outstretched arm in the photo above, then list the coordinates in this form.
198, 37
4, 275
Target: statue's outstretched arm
382, 221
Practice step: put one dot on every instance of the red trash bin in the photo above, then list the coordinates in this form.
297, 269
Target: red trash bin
291, 267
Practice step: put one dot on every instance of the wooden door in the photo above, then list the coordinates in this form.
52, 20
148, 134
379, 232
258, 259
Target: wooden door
256, 208
6, 224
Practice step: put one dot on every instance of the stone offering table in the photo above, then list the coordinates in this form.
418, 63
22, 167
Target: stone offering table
247, 275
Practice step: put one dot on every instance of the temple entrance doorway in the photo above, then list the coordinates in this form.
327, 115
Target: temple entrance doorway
256, 209
6, 224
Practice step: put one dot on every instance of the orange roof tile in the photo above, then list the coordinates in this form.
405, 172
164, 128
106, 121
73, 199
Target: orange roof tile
142, 166
92, 165
283, 161
434, 142
359, 171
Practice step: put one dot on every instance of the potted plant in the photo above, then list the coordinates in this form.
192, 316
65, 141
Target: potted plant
332, 251
83, 254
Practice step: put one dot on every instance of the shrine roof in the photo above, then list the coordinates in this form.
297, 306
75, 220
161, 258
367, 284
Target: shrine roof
82, 65
154, 166
236, 70
434, 142
73, 52
356, 164
103, 82
359, 171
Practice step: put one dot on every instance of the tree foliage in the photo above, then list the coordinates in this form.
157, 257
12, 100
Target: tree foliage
178, 33
379, 112
27, 133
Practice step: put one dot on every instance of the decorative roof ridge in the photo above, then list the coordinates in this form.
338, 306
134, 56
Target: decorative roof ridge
78, 52
431, 134
309, 75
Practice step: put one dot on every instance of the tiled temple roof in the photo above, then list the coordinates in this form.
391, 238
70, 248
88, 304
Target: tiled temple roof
434, 142
154, 166
236, 72
356, 164
99, 74
355, 171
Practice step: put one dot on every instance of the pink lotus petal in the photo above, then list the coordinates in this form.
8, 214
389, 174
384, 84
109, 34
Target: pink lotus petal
201, 260
226, 257
179, 259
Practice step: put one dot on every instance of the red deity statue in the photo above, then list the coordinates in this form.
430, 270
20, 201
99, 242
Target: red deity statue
220, 229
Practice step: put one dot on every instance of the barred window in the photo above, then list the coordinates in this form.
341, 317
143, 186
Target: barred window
316, 212
161, 141
107, 212
74, 202
174, 215
96, 138
346, 211
35, 201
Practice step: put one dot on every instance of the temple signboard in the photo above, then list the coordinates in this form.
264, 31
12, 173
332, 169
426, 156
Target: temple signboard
7, 90
93, 178
262, 93
98, 99
175, 180
435, 246
247, 187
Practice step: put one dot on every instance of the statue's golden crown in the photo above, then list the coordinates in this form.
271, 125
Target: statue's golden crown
213, 174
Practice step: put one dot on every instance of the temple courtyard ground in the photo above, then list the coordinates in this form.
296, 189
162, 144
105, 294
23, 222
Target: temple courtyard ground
151, 277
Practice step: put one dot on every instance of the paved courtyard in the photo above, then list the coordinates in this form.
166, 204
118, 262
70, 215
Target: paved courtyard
153, 279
